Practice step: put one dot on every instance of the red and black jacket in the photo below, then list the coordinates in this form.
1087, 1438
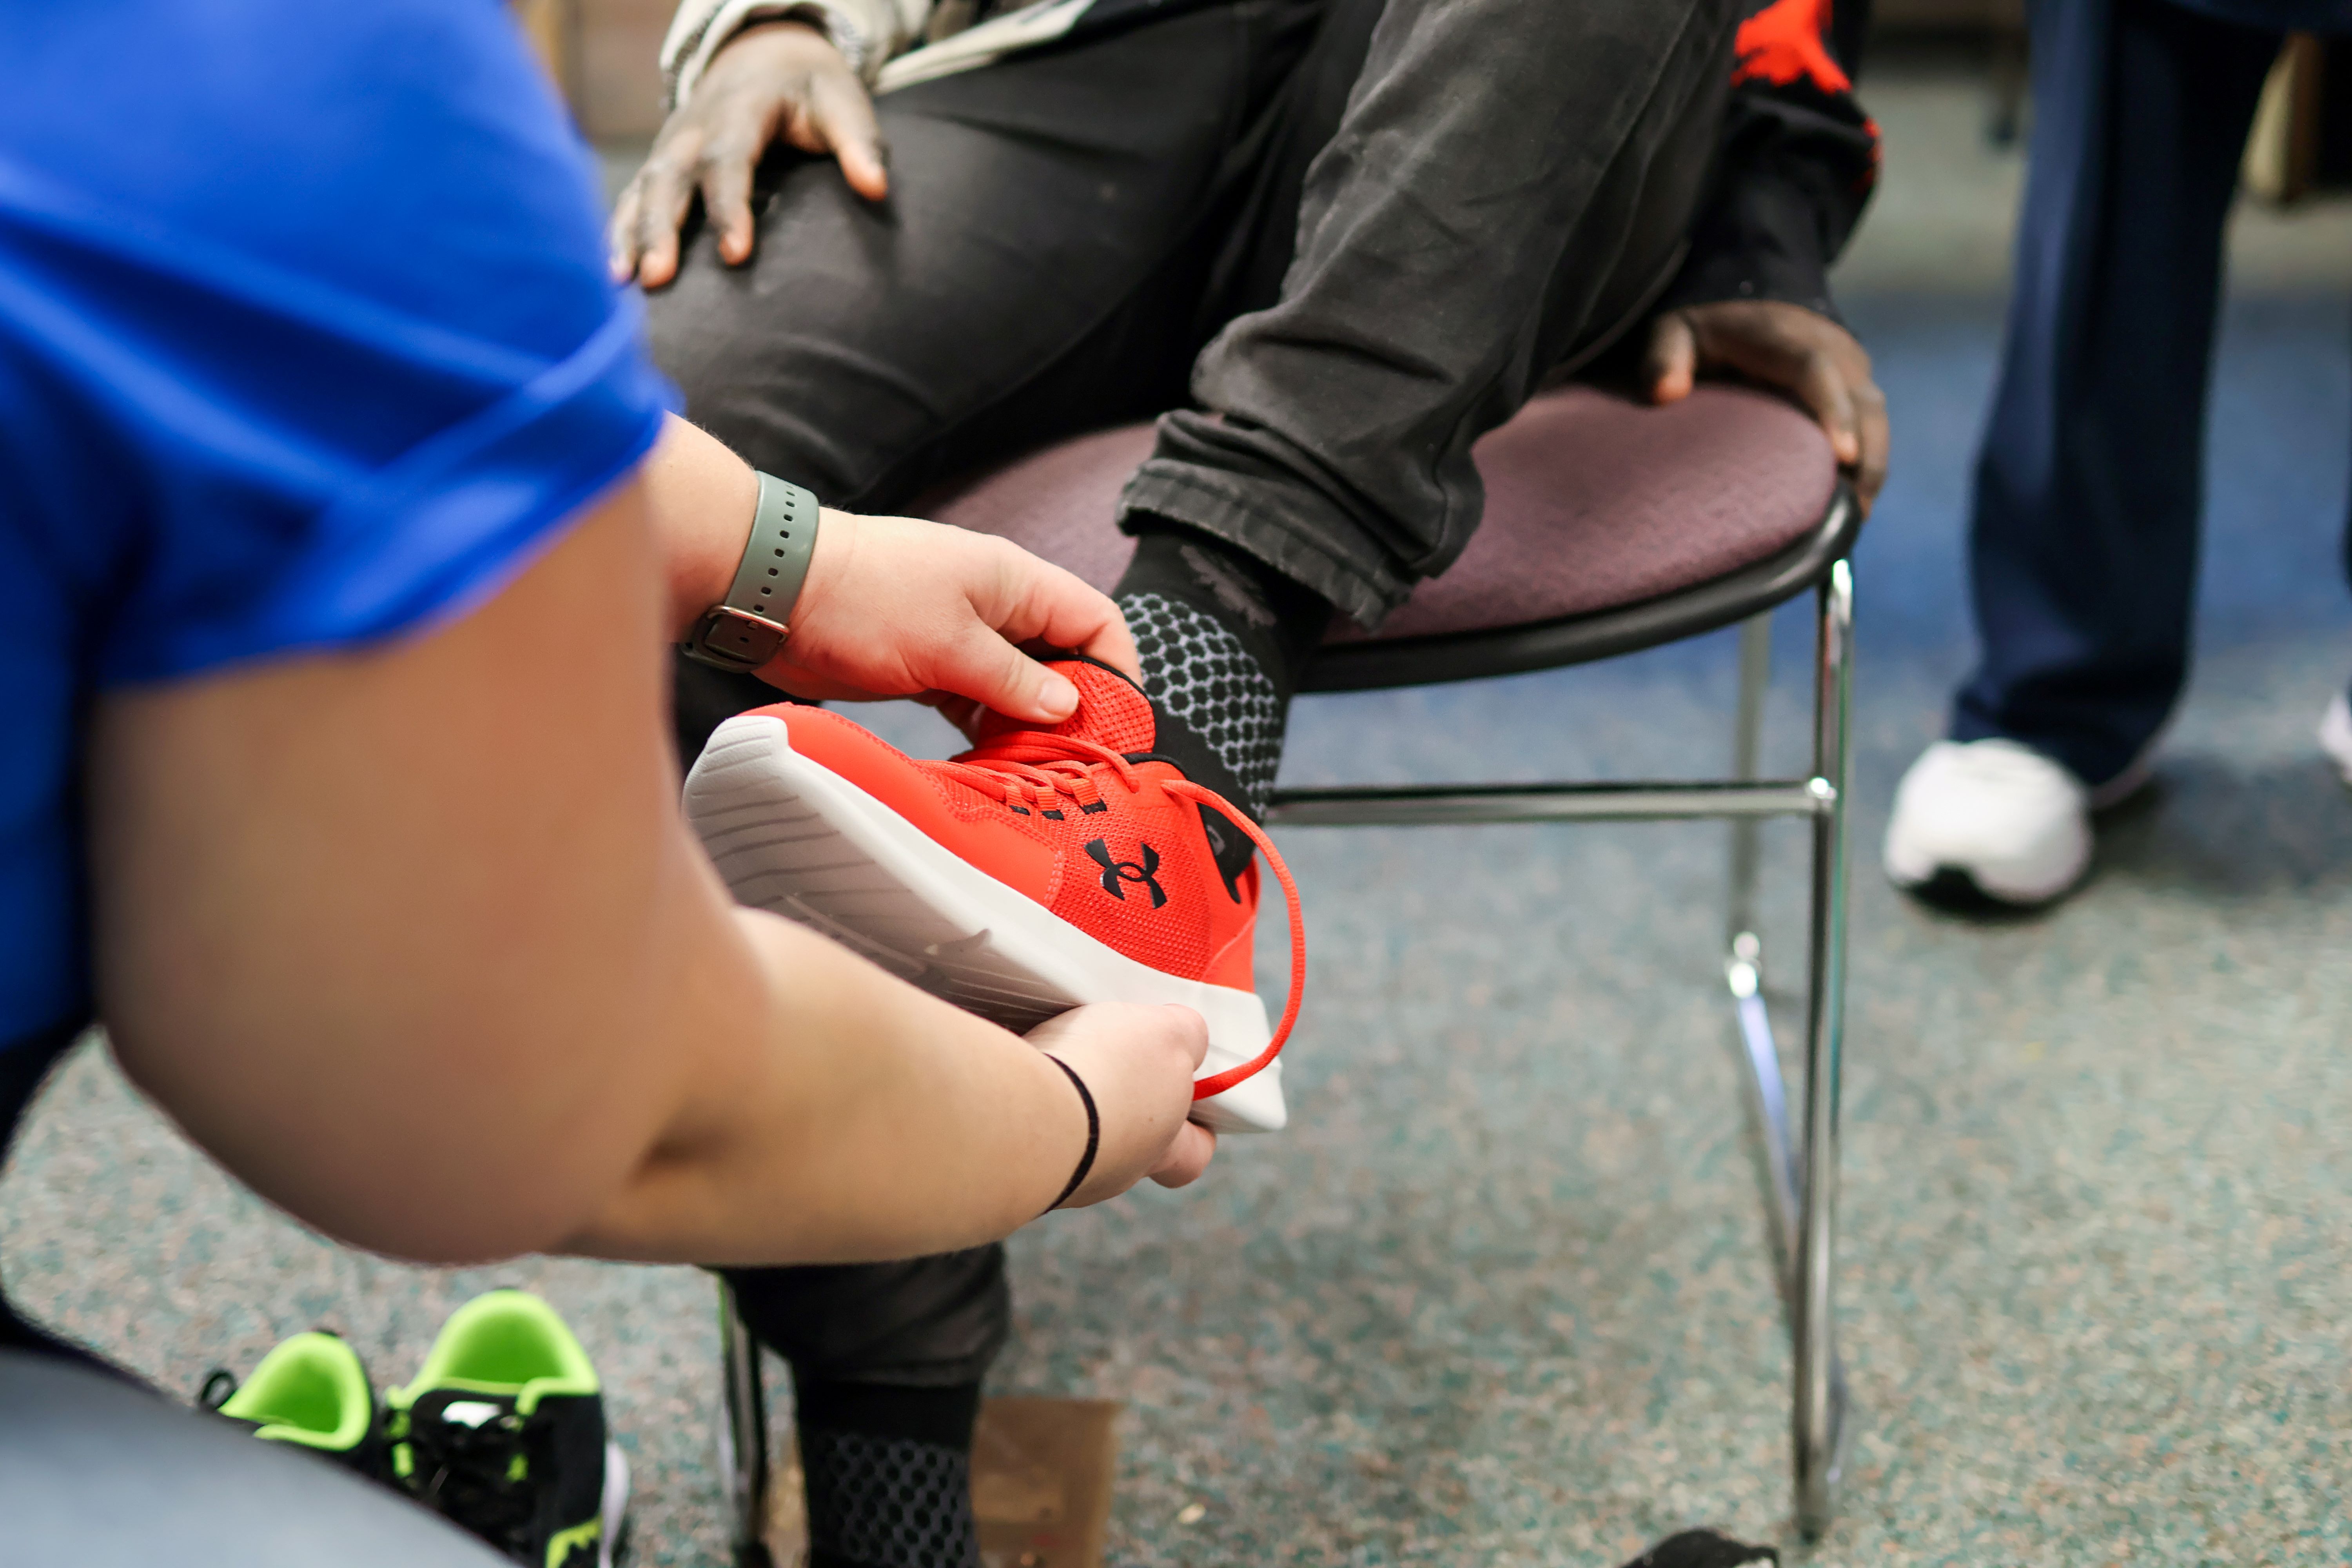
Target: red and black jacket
1796, 163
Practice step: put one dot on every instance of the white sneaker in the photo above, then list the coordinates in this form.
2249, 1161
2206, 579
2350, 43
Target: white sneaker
2336, 734
2004, 817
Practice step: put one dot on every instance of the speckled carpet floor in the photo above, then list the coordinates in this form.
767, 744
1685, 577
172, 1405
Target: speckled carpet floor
1501, 1296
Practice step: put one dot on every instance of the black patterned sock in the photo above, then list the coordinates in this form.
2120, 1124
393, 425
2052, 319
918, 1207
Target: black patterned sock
1223, 637
888, 1473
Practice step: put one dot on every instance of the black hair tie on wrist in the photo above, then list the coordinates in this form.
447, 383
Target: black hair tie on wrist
1094, 1133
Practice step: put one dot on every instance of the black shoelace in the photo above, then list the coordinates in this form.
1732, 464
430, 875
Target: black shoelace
468, 1475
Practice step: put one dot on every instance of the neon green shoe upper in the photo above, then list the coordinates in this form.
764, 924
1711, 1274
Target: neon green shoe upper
311, 1391
502, 1431
506, 1342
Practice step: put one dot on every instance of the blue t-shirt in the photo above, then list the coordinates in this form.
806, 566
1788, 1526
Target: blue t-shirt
305, 341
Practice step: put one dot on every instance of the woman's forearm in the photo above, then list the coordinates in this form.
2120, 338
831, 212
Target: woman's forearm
699, 498
857, 1119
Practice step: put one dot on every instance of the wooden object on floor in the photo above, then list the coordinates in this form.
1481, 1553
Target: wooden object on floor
1041, 1480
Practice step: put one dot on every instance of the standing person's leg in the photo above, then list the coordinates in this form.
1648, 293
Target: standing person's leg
1480, 190
2085, 536
2083, 542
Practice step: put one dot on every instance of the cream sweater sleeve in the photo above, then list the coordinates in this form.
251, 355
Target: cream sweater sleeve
868, 33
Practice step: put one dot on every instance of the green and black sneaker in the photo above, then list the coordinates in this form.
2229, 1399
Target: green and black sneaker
503, 1433
310, 1391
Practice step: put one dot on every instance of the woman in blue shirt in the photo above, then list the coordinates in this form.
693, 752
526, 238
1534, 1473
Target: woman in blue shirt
343, 530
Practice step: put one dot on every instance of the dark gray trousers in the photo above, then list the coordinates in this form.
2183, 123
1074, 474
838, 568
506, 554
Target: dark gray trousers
1362, 234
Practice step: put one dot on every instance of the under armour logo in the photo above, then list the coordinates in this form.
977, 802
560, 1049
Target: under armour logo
1117, 871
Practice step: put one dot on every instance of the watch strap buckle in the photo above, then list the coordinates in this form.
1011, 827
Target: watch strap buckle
734, 640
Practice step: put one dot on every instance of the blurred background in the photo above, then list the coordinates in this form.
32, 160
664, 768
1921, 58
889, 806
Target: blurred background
1502, 1295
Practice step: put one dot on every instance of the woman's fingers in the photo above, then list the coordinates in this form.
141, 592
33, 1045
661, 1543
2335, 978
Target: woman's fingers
1017, 600
1050, 604
1187, 1157
995, 674
893, 606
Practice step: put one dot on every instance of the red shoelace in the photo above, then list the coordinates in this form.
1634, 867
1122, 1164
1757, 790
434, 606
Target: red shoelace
1032, 771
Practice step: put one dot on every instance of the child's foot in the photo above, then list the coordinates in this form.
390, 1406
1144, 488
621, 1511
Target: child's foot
1039, 870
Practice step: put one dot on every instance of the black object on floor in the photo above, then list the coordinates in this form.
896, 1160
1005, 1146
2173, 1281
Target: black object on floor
1704, 1549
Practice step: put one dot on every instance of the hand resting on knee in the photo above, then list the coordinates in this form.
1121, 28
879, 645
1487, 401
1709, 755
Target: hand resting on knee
773, 78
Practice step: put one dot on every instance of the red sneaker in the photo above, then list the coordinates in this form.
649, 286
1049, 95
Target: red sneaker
1039, 870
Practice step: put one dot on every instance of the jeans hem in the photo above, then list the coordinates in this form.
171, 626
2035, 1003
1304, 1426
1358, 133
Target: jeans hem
1181, 494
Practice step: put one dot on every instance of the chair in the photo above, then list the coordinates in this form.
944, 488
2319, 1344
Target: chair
1610, 528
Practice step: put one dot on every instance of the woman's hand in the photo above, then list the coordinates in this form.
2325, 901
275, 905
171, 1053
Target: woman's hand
1800, 352
891, 607
897, 607
772, 79
1136, 1062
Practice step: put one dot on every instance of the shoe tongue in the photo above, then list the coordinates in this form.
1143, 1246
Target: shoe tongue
1111, 713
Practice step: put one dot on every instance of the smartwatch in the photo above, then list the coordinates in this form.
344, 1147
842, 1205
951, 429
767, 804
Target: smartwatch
744, 630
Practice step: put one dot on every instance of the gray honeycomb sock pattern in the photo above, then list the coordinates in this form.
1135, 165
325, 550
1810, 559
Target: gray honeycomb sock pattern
1196, 669
890, 1502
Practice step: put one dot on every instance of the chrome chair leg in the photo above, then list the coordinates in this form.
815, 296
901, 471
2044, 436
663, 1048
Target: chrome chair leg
1747, 743
1744, 962
742, 1436
1819, 1420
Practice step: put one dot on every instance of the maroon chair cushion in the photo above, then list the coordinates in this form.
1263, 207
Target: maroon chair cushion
1592, 503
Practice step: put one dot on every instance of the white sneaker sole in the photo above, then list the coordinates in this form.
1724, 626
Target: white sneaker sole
613, 1509
2336, 734
2026, 890
796, 838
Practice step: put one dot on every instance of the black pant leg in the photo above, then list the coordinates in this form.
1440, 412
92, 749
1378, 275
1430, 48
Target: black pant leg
1056, 223
1487, 201
1035, 269
927, 1322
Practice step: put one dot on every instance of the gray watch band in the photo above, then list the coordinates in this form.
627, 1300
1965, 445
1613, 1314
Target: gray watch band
744, 630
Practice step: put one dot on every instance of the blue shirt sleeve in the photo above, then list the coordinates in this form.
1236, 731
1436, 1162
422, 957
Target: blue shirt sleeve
296, 358
305, 341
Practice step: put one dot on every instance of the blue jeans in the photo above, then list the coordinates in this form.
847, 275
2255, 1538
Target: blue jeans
2084, 541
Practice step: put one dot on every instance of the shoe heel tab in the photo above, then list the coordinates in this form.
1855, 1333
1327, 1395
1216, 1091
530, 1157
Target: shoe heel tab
1090, 658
